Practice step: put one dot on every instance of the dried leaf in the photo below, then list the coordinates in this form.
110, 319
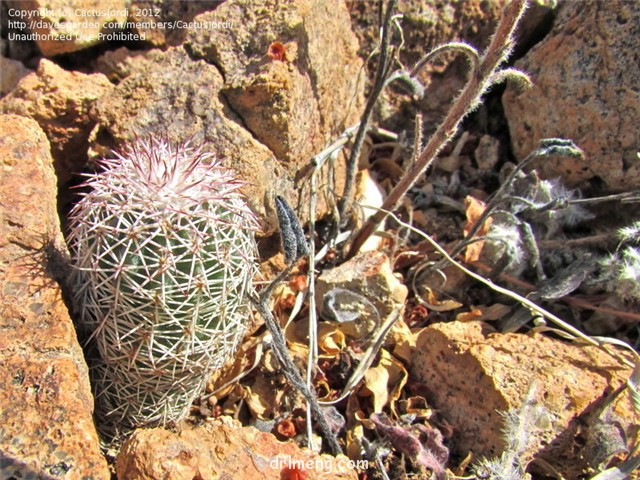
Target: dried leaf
474, 314
376, 381
418, 406
354, 441
389, 167
433, 303
286, 428
403, 342
284, 298
331, 339
385, 381
475, 208
298, 283
494, 312
416, 315
261, 397
223, 378
297, 334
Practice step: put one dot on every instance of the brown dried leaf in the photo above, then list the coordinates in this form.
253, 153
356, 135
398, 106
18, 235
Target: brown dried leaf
474, 209
331, 339
494, 312
440, 305
419, 407
385, 381
389, 167
402, 340
354, 442
286, 428
474, 314
261, 397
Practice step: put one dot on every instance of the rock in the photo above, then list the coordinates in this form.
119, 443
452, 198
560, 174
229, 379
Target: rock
60, 102
290, 68
221, 449
11, 47
148, 19
369, 275
472, 375
12, 72
120, 63
534, 25
45, 399
169, 93
583, 91
59, 26
426, 25
166, 93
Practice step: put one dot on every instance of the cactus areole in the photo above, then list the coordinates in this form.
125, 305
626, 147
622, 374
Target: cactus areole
164, 256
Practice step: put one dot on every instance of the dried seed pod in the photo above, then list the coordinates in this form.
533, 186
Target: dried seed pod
294, 244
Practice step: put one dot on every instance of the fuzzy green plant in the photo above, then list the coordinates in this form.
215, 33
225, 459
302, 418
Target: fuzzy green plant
621, 270
164, 257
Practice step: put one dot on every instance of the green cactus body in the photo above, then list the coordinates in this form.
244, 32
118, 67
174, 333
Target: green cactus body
164, 257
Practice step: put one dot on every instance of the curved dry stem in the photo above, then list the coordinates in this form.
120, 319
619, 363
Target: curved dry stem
520, 79
522, 300
452, 47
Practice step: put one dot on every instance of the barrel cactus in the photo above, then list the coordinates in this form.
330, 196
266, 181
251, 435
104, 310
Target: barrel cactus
164, 255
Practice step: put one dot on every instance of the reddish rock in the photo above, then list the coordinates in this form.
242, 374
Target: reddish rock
118, 64
63, 27
583, 90
472, 375
222, 449
291, 70
46, 425
60, 102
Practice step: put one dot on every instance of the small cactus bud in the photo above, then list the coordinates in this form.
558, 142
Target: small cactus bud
164, 254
